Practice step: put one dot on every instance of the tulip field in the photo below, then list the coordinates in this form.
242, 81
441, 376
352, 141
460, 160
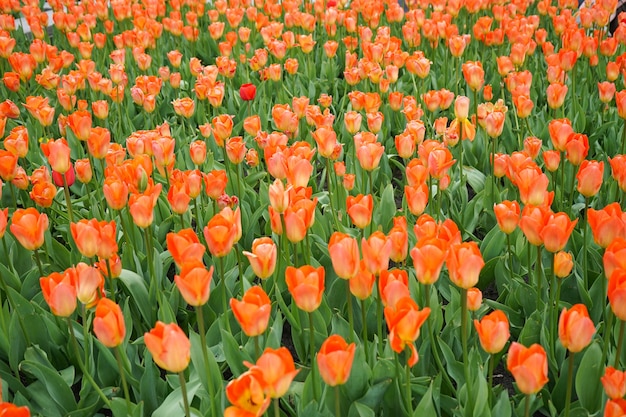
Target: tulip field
312, 208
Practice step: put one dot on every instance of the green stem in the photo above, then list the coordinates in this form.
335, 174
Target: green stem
83, 314
492, 361
509, 255
118, 358
570, 379
38, 260
409, 394
224, 300
620, 339
337, 402
527, 406
205, 357
68, 199
276, 407
153, 290
6, 252
316, 394
257, 349
468, 383
350, 312
364, 324
538, 277
434, 344
330, 196
585, 262
183, 389
607, 335
81, 365
197, 213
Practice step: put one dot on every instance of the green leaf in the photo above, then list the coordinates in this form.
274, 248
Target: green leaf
386, 210
198, 361
503, 405
56, 387
137, 288
589, 370
234, 354
360, 410
426, 406
173, 404
475, 178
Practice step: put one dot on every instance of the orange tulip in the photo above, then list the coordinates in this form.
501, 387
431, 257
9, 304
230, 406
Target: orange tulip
326, 140
376, 250
614, 383
556, 231
108, 324
589, 177
399, 238
555, 94
169, 346
428, 258
617, 293
306, 285
28, 226
529, 367
532, 222
615, 408
4, 219
98, 142
344, 255
334, 360
194, 283
215, 183
360, 209
369, 155
577, 147
58, 154
59, 291
563, 264
576, 329
247, 394
277, 371
263, 257
474, 299
607, 224
393, 285
43, 193
253, 311
404, 321
464, 262
362, 283
185, 247
115, 192
86, 235
222, 128
615, 256
8, 165
11, 410
474, 75
80, 123
507, 215
89, 283
141, 206
532, 185
493, 331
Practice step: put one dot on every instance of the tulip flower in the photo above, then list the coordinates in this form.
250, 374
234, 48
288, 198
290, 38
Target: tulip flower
306, 285
169, 346
28, 226
263, 257
464, 263
247, 92
507, 215
529, 367
253, 311
344, 255
276, 369
615, 408
575, 328
404, 320
376, 250
12, 410
194, 283
59, 291
360, 209
614, 383
334, 360
247, 396
185, 247
108, 324
589, 177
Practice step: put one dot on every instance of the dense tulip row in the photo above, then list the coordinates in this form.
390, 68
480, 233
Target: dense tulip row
274, 200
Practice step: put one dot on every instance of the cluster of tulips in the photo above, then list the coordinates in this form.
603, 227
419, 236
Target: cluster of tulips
272, 201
